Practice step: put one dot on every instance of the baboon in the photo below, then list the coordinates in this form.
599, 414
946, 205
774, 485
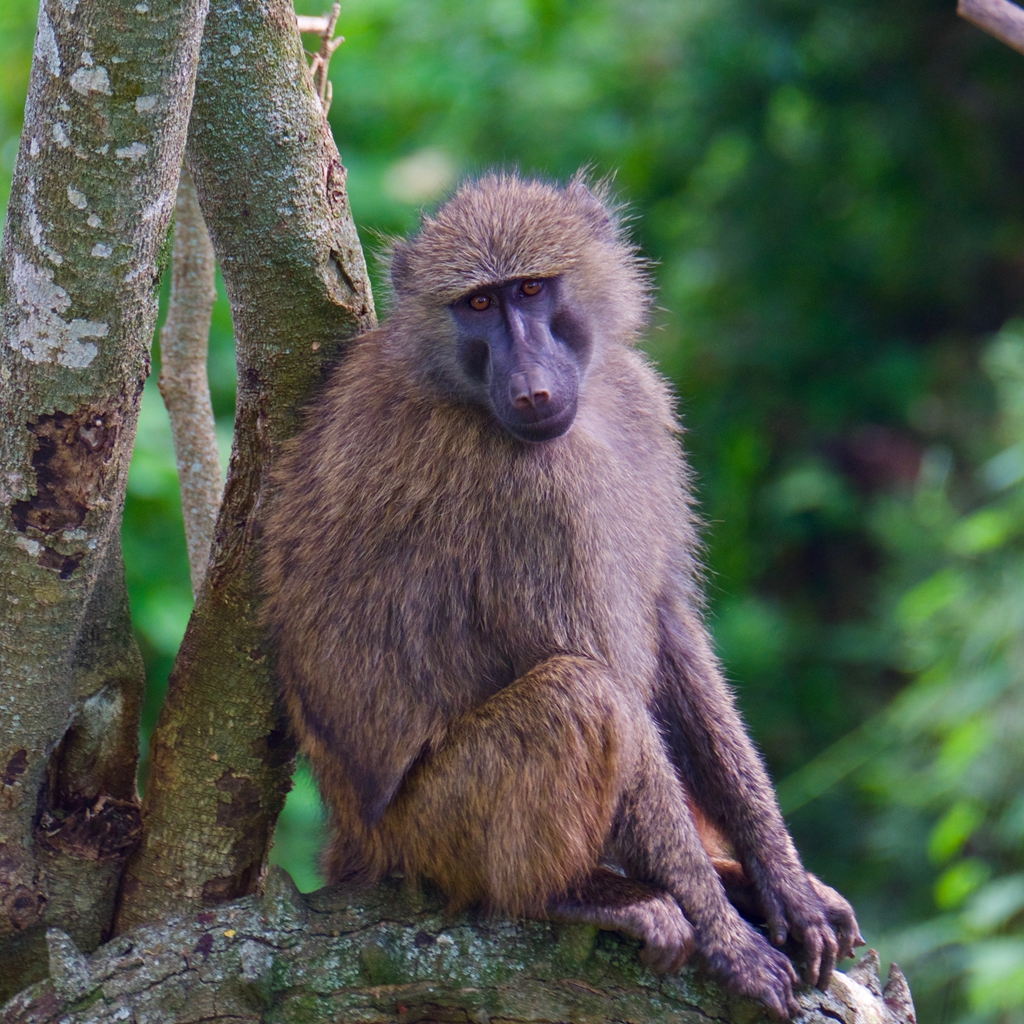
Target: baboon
482, 575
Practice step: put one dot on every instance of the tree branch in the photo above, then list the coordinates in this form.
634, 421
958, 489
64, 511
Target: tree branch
390, 955
104, 133
998, 18
324, 28
272, 190
184, 383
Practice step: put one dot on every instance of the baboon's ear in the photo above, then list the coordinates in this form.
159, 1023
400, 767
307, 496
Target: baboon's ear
596, 204
400, 269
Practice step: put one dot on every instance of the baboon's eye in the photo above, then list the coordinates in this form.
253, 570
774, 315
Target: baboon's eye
480, 302
532, 287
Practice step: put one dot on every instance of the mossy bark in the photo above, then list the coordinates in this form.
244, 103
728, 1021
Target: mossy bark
272, 190
105, 128
391, 955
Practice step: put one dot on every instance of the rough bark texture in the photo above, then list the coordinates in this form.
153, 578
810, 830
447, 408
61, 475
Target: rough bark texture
105, 122
998, 18
390, 955
272, 190
184, 384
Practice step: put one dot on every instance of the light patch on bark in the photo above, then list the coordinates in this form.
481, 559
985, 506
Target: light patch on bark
101, 251
93, 221
870, 1009
16, 484
60, 135
99, 716
35, 225
160, 206
31, 547
76, 198
136, 151
46, 45
86, 80
144, 104
44, 336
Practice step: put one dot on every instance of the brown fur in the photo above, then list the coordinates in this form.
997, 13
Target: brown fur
493, 651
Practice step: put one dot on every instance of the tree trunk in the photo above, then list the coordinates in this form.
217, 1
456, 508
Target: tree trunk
392, 955
272, 190
105, 123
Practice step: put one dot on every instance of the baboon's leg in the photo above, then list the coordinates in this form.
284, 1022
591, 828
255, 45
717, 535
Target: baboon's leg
625, 905
657, 841
514, 808
515, 804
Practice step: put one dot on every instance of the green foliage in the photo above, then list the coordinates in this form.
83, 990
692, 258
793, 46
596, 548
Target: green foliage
17, 27
829, 190
300, 832
958, 761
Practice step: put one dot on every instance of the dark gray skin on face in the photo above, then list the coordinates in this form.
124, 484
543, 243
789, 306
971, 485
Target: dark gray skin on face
526, 351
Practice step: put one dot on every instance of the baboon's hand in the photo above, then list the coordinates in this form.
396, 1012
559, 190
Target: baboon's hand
840, 915
749, 966
794, 908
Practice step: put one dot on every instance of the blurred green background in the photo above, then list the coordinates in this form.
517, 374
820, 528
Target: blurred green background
832, 193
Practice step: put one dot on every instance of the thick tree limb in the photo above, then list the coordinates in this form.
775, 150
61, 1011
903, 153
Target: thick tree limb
389, 955
998, 18
105, 123
272, 190
184, 383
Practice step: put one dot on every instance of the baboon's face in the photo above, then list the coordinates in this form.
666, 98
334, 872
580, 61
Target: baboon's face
523, 351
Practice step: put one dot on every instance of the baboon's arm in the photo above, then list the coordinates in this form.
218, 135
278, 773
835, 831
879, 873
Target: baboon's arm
352, 712
658, 840
727, 780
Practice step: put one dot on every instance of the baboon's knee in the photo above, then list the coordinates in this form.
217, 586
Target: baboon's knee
530, 783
